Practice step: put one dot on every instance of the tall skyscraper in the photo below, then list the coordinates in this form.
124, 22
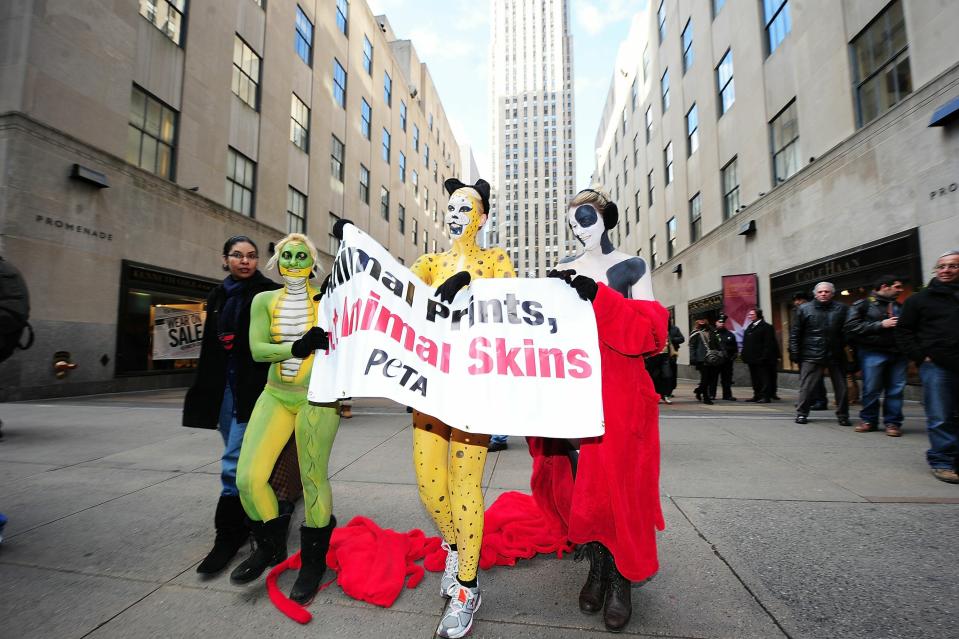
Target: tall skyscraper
531, 93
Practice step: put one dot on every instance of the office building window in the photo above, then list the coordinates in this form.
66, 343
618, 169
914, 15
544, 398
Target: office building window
664, 85
653, 253
692, 130
634, 96
240, 181
670, 238
414, 231
366, 115
724, 78
402, 164
384, 203
778, 23
364, 184
295, 211
339, 83
337, 154
646, 63
661, 20
415, 178
730, 181
636, 204
695, 218
402, 115
649, 123
299, 123
430, 122
688, 45
342, 14
303, 41
785, 134
387, 89
167, 16
246, 72
416, 138
151, 135
636, 150
649, 185
668, 162
386, 146
426, 240
367, 55
401, 218
881, 61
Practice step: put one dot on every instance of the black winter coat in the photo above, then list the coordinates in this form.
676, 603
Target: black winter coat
727, 340
700, 342
929, 325
759, 343
201, 408
864, 324
817, 333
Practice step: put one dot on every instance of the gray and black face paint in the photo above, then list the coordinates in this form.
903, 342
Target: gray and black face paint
588, 227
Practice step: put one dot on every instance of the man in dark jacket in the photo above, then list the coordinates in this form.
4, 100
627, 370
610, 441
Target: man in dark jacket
727, 342
871, 328
816, 341
928, 333
760, 352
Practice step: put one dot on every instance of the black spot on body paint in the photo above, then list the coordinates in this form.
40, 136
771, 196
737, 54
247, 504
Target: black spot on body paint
459, 453
442, 497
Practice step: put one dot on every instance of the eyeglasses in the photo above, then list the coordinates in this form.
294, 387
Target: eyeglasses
239, 257
946, 267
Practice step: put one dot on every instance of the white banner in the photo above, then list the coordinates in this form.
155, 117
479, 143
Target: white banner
177, 334
508, 356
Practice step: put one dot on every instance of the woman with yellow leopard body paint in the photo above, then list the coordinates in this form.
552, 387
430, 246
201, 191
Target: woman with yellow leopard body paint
449, 462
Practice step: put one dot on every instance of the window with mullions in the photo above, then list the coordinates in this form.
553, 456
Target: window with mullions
692, 130
653, 253
295, 211
695, 218
636, 150
339, 83
724, 80
649, 123
303, 40
670, 238
426, 155
646, 63
366, 115
416, 138
384, 203
414, 231
299, 123
778, 22
240, 182
342, 15
730, 181
367, 55
661, 20
364, 184
402, 165
688, 45
785, 137
664, 86
246, 73
881, 61
387, 89
386, 146
167, 16
337, 154
649, 185
634, 96
668, 162
402, 115
151, 135
401, 218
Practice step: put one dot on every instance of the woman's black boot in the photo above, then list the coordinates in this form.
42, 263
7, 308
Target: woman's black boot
270, 538
619, 602
314, 542
593, 594
232, 532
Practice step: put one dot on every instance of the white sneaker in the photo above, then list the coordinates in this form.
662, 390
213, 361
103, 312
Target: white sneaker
458, 618
448, 583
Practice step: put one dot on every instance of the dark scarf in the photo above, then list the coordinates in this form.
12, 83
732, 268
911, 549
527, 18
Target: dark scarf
229, 320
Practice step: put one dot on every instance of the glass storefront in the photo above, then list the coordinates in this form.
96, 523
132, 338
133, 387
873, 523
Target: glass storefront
160, 320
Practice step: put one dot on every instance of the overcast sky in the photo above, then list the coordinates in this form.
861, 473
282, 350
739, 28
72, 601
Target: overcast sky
452, 38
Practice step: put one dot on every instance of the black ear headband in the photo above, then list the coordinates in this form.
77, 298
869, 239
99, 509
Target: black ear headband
610, 213
482, 187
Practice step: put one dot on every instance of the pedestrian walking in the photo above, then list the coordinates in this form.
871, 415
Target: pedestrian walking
819, 399
727, 342
707, 355
760, 353
816, 341
928, 334
870, 328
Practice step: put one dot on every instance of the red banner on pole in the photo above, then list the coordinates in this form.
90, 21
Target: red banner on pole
740, 295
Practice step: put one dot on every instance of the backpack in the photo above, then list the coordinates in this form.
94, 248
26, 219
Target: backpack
14, 311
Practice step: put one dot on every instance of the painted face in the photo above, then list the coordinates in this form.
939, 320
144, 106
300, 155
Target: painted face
241, 260
463, 218
587, 225
295, 260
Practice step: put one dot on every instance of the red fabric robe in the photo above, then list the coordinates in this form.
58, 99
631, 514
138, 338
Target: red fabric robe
615, 498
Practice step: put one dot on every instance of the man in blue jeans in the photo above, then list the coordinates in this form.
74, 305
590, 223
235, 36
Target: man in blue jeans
927, 333
871, 326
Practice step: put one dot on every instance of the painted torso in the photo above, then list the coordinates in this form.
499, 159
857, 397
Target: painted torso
292, 314
435, 268
624, 273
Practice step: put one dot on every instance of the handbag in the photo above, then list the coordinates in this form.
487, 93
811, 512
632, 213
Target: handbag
714, 357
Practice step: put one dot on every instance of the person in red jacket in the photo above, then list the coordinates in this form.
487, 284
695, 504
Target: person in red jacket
608, 494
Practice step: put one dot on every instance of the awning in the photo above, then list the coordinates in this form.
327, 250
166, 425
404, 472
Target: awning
945, 114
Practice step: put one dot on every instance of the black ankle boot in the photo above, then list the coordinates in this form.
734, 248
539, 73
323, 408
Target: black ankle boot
619, 602
232, 532
597, 580
270, 537
314, 542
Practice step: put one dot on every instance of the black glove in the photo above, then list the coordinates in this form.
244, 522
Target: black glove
323, 288
314, 339
448, 289
338, 228
586, 287
566, 276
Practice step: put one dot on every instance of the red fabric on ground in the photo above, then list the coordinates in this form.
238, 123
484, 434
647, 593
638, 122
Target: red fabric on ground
615, 498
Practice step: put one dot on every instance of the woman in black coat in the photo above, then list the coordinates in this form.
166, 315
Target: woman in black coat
703, 340
227, 385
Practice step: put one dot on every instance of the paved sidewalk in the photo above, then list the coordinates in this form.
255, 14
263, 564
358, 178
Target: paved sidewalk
773, 530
